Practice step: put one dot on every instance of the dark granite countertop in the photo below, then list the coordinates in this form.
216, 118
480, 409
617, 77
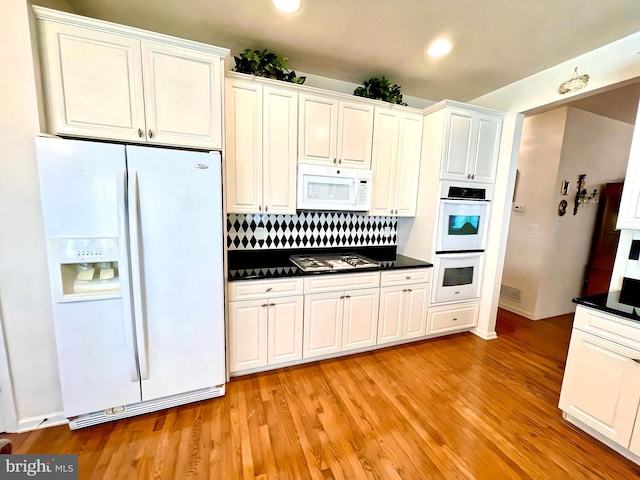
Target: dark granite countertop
262, 264
610, 303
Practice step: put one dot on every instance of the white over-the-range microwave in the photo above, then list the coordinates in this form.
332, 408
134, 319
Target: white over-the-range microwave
333, 188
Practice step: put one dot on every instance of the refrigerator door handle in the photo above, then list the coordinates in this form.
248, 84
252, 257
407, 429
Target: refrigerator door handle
125, 286
136, 280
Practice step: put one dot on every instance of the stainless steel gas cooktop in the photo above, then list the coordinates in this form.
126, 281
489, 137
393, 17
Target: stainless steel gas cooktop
318, 263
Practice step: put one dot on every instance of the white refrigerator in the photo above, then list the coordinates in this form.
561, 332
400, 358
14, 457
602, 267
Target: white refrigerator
134, 243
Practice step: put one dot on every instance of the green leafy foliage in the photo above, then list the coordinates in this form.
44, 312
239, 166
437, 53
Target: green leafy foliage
380, 89
265, 64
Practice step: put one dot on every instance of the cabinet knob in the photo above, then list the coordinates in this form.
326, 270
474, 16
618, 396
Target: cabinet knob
259, 208
341, 297
637, 360
140, 132
266, 208
269, 289
272, 304
396, 211
335, 161
473, 176
468, 176
409, 290
348, 296
408, 277
150, 133
404, 290
455, 319
264, 305
340, 161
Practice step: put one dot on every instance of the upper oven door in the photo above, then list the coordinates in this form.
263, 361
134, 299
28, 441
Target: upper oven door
326, 188
462, 225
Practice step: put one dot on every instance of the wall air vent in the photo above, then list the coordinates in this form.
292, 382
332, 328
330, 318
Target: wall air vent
511, 293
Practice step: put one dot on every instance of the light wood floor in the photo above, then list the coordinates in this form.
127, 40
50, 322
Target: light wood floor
453, 407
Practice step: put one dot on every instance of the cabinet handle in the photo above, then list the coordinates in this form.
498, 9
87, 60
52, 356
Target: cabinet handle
408, 277
473, 176
272, 304
150, 134
269, 289
637, 360
266, 208
468, 176
140, 133
392, 211
259, 208
404, 290
455, 319
264, 305
335, 161
409, 290
341, 297
348, 296
340, 161
396, 211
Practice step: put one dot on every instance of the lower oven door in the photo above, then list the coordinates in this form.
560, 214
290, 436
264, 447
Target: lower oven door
457, 277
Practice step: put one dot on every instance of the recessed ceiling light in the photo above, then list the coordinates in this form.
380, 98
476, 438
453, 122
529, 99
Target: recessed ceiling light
439, 48
288, 6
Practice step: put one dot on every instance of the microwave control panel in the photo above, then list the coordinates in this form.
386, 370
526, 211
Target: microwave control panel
363, 189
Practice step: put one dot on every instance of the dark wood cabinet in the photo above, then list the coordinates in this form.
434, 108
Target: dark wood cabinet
604, 241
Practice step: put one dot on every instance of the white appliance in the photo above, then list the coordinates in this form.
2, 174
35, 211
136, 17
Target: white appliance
333, 188
456, 277
463, 215
134, 242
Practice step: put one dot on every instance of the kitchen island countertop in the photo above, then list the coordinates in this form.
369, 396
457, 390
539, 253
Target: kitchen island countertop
609, 302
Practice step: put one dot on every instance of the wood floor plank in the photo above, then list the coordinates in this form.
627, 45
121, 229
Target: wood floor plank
455, 407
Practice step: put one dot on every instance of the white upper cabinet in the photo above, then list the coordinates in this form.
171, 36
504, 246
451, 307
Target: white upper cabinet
629, 213
103, 80
469, 137
334, 131
395, 162
261, 145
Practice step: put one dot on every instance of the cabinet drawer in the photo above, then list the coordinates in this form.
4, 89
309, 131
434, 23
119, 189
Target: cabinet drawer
620, 330
347, 281
246, 290
448, 319
404, 277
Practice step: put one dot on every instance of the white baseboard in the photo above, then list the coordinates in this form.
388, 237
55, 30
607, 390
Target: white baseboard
41, 421
519, 311
485, 335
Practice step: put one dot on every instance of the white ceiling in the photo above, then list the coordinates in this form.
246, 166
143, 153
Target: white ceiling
496, 42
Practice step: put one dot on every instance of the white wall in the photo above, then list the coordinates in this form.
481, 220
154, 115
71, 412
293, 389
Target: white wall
609, 65
538, 163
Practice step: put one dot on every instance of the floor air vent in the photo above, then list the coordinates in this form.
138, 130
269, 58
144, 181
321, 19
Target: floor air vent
511, 293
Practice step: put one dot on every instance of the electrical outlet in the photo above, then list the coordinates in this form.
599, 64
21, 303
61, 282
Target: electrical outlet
533, 229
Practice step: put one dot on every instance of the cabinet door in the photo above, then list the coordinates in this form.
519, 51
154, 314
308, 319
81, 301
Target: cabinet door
318, 124
280, 147
93, 83
285, 329
183, 96
355, 134
486, 138
601, 385
408, 164
629, 214
322, 324
415, 310
243, 159
383, 163
457, 149
360, 322
390, 319
247, 334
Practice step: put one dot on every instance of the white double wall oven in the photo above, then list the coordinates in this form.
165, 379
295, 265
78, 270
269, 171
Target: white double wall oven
461, 235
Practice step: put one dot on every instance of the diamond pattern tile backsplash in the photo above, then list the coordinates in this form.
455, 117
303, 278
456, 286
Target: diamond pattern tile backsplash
309, 230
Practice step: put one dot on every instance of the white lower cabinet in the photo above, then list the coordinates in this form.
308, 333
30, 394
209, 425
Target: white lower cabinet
601, 384
450, 318
266, 329
404, 295
340, 321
